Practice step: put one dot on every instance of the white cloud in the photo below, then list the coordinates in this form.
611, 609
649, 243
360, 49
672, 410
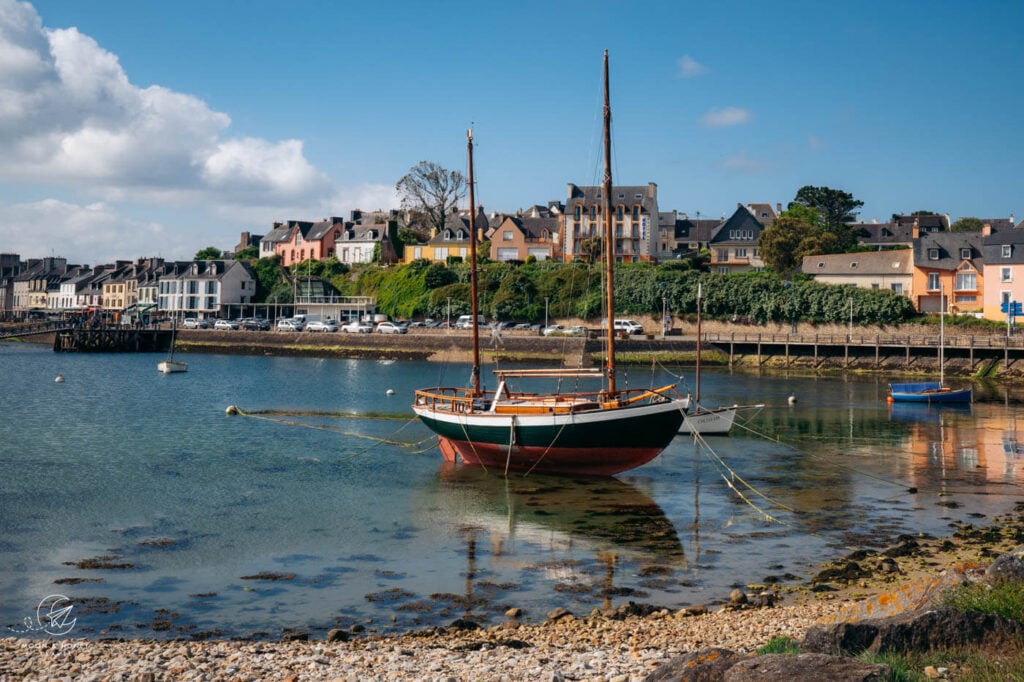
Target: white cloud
727, 116
71, 117
690, 67
92, 234
742, 163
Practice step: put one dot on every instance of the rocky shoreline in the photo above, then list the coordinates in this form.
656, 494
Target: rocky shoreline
628, 643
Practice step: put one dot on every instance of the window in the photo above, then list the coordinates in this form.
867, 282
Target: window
933, 254
853, 265
933, 281
965, 253
897, 288
506, 235
1006, 251
966, 281
874, 285
1004, 275
821, 264
741, 253
447, 235
722, 270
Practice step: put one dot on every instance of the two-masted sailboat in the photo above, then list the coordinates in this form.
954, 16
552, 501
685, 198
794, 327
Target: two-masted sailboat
596, 433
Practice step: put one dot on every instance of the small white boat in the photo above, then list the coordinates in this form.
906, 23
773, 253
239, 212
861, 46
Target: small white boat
170, 365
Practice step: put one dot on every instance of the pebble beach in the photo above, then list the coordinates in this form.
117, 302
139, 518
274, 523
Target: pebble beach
602, 645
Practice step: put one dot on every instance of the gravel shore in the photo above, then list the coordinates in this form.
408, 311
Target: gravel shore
592, 648
600, 646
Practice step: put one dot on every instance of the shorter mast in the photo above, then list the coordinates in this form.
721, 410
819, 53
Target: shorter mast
472, 270
697, 372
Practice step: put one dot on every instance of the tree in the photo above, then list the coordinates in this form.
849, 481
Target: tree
967, 225
835, 207
432, 190
795, 233
209, 253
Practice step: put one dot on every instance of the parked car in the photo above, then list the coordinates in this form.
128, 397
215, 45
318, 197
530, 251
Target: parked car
225, 324
628, 326
417, 324
357, 327
193, 323
577, 330
521, 326
289, 325
392, 328
257, 324
466, 321
322, 326
553, 330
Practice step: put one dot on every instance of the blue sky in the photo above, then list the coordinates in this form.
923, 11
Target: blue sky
134, 128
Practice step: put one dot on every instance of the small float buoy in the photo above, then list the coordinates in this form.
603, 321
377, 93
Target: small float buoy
792, 400
888, 399
232, 410
59, 379
389, 392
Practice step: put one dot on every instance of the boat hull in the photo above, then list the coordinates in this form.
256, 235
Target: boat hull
716, 422
928, 392
171, 367
596, 443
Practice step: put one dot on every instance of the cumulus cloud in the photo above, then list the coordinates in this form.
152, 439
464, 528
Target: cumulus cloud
690, 67
70, 116
84, 234
727, 116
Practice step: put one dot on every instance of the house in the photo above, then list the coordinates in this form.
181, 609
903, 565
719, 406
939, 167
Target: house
765, 213
930, 222
295, 248
1004, 258
452, 241
733, 243
279, 232
246, 240
892, 270
948, 270
691, 235
10, 266
635, 222
363, 238
883, 235
207, 288
30, 287
516, 238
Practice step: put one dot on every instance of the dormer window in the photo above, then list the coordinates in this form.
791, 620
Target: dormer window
933, 254
1006, 250
821, 265
372, 234
460, 235
447, 235
965, 253
853, 264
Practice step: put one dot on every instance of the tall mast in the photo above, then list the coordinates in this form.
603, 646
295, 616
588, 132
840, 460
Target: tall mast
472, 269
609, 236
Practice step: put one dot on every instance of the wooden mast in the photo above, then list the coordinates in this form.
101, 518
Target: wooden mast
697, 372
472, 269
609, 236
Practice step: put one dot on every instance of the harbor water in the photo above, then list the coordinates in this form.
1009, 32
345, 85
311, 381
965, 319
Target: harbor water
136, 498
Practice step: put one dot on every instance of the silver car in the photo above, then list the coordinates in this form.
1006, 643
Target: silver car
392, 328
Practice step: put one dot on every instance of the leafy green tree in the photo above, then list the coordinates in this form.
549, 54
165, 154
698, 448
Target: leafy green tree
209, 253
835, 207
432, 190
268, 275
795, 233
437, 275
967, 225
248, 253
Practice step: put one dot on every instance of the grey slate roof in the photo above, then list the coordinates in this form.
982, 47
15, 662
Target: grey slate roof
741, 228
992, 247
947, 246
865, 263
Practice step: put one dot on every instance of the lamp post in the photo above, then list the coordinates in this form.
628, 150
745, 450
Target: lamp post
449, 322
545, 312
792, 307
850, 336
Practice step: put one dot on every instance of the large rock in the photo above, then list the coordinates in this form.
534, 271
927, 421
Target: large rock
706, 665
1009, 566
918, 631
804, 667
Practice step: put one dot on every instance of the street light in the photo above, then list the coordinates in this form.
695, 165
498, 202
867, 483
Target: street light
545, 312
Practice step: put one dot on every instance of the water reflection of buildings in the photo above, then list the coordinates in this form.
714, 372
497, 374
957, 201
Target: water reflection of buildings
980, 443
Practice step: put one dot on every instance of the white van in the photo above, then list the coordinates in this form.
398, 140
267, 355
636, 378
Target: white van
466, 321
628, 326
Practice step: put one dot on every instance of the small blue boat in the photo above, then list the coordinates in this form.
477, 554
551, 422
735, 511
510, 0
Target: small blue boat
928, 392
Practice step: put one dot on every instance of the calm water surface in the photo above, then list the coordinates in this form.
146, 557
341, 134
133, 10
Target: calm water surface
361, 522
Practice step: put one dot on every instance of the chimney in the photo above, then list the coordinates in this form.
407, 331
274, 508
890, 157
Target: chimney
778, 207
986, 230
1013, 222
916, 232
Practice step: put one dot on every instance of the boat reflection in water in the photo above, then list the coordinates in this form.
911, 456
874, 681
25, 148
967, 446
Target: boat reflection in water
586, 529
